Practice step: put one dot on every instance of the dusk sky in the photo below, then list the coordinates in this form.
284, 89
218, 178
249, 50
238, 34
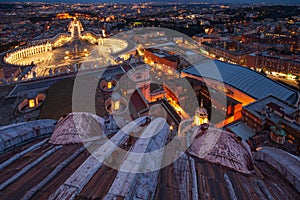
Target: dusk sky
123, 1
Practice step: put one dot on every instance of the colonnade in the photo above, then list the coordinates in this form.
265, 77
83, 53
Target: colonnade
112, 41
21, 53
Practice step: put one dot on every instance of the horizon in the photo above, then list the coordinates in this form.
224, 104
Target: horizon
275, 2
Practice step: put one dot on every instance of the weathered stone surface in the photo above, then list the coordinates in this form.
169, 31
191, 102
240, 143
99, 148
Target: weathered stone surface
221, 147
129, 183
15, 134
77, 128
76, 182
285, 163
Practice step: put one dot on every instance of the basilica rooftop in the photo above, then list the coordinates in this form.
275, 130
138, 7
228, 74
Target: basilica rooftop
43, 159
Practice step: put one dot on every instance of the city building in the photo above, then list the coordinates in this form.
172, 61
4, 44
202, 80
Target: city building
161, 57
274, 64
217, 50
273, 38
270, 112
238, 82
277, 134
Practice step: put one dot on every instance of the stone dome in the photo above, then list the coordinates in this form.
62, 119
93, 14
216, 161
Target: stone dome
221, 147
201, 111
78, 127
201, 115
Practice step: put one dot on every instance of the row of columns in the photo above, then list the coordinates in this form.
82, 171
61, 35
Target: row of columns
22, 53
119, 42
89, 36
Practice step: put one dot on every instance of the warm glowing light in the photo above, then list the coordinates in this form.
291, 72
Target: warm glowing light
170, 71
116, 105
171, 128
196, 121
207, 30
201, 116
258, 148
199, 121
109, 85
31, 103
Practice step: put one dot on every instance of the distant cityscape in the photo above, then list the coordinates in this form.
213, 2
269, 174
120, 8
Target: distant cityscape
150, 100
264, 38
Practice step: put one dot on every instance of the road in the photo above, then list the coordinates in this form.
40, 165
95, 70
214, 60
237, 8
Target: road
292, 83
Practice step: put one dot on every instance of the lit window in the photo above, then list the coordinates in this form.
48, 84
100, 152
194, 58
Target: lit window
117, 105
109, 85
31, 103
